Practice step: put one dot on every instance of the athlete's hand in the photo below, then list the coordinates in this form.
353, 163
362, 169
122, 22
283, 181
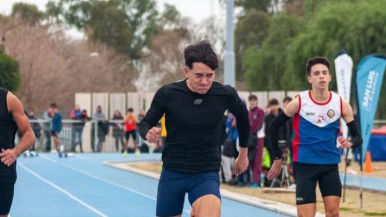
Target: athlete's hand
8, 156
241, 164
344, 142
153, 135
275, 169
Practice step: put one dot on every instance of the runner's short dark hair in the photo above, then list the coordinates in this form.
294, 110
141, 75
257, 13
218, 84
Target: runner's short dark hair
201, 52
316, 60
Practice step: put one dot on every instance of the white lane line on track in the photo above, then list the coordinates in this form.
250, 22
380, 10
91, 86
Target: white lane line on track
99, 213
86, 159
106, 181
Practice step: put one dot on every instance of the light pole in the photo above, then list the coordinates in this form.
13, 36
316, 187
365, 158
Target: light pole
229, 55
95, 122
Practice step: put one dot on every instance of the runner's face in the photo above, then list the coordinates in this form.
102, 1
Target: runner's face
319, 77
199, 78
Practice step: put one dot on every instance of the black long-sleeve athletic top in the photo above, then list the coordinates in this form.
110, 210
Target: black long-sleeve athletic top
8, 130
193, 123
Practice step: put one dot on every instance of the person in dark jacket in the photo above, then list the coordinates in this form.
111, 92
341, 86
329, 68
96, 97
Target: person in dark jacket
118, 132
77, 128
274, 111
56, 126
99, 122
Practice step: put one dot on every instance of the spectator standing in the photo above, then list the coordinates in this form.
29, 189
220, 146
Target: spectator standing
141, 143
229, 150
99, 125
131, 131
37, 131
118, 130
256, 142
274, 111
56, 126
47, 116
77, 128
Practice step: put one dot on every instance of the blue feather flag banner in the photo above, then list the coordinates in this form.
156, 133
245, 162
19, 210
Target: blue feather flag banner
369, 77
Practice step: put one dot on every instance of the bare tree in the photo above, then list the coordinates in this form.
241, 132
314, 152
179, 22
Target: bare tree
163, 62
53, 67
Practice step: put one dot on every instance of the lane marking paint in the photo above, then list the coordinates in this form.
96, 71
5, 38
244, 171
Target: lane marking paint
106, 181
87, 159
63, 191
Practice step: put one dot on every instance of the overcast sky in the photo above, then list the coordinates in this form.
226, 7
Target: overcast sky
197, 10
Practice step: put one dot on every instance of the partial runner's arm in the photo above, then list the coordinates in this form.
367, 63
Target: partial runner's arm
289, 111
240, 111
348, 116
146, 127
15, 107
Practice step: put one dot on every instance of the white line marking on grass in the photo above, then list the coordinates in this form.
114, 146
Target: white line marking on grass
63, 191
106, 181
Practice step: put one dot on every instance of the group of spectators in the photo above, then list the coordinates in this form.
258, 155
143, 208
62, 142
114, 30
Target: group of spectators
259, 148
123, 128
51, 128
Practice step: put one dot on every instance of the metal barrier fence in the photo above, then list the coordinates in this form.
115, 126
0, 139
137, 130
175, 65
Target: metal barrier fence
90, 136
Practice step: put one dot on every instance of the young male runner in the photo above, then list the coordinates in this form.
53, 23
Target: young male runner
194, 110
316, 124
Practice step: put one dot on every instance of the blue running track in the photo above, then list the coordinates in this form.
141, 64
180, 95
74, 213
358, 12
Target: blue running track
81, 186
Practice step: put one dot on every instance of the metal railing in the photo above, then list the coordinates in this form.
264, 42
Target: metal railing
90, 135
90, 139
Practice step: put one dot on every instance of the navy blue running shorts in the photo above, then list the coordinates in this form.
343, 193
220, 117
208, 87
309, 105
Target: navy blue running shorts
173, 186
6, 197
308, 175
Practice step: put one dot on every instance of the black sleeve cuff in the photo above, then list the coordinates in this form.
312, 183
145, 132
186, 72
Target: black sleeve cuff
273, 131
356, 138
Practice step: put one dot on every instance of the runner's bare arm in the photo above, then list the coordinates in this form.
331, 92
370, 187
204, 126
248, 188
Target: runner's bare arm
17, 110
347, 112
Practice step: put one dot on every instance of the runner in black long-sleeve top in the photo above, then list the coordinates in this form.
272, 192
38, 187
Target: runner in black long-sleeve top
193, 110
